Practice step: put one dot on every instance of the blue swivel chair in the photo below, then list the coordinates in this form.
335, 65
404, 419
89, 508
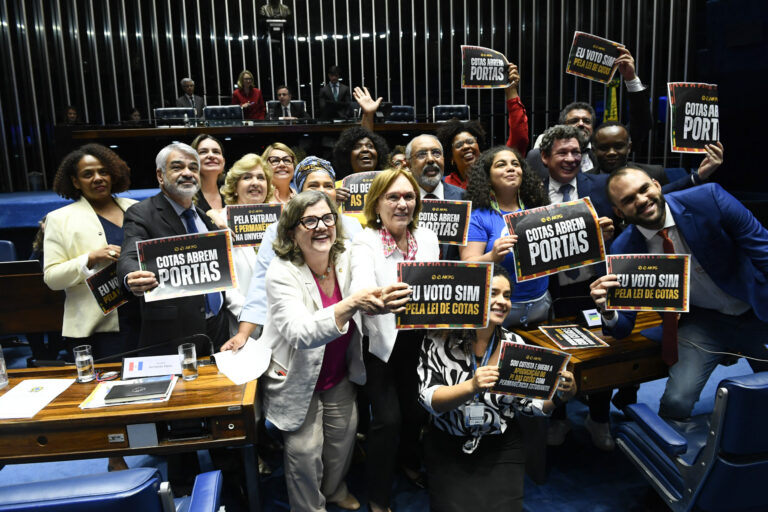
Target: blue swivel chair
7, 251
402, 114
139, 489
714, 462
442, 113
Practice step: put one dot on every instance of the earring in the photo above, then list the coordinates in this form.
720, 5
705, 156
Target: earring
378, 219
235, 194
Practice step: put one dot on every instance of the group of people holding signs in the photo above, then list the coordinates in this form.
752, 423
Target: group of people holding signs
371, 296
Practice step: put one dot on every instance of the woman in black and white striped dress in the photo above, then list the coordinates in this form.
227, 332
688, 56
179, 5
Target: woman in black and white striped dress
477, 467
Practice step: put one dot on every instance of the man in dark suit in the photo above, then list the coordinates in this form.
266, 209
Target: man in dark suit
729, 278
171, 212
284, 108
334, 97
189, 98
612, 145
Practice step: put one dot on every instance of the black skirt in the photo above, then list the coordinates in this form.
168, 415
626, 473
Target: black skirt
490, 478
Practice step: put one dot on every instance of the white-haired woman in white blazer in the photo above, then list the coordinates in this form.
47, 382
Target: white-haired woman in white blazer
312, 328
391, 211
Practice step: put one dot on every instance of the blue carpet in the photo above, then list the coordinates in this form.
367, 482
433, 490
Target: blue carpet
580, 477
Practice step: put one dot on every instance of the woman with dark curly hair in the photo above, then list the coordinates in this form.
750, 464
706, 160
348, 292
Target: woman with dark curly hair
500, 182
462, 141
358, 150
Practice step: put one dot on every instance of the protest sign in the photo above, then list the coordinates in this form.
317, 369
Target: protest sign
188, 264
572, 336
358, 185
694, 116
445, 294
649, 282
483, 68
529, 371
248, 222
107, 289
556, 237
593, 57
448, 219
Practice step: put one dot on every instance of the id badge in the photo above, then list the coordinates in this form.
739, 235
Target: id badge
474, 415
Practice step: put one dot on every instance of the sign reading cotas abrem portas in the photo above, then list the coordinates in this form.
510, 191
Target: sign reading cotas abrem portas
248, 222
358, 185
445, 295
529, 371
188, 264
593, 57
483, 68
107, 289
649, 282
448, 219
556, 237
695, 116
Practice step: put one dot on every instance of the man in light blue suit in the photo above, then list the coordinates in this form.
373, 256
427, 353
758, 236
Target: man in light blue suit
729, 276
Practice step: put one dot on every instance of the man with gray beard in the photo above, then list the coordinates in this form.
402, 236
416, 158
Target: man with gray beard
169, 213
426, 161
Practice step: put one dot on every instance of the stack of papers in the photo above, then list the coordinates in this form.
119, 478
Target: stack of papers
98, 397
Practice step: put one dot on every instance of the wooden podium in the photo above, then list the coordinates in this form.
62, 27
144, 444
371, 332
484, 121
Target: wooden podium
28, 305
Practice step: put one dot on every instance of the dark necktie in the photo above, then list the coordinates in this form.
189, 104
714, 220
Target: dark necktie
669, 320
336, 92
212, 300
285, 112
430, 196
566, 191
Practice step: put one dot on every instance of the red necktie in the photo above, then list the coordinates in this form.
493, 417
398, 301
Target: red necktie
669, 320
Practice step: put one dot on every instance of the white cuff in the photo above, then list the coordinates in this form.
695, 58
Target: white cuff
609, 318
634, 85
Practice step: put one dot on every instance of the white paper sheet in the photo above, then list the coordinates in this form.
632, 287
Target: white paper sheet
247, 364
30, 396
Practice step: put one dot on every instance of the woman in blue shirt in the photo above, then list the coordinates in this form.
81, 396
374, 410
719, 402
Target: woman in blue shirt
500, 182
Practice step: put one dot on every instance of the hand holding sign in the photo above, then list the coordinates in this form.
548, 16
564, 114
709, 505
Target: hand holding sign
626, 64
598, 290
140, 281
712, 161
485, 378
502, 246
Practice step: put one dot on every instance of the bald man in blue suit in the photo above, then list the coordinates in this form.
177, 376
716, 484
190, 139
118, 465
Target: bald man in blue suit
729, 277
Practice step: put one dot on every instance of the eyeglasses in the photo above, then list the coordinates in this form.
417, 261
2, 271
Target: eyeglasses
275, 160
422, 155
395, 198
460, 143
311, 222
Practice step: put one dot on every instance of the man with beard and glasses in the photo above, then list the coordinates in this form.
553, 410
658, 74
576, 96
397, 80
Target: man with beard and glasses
729, 278
426, 161
171, 212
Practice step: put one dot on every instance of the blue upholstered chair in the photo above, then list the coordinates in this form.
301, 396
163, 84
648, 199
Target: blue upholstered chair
7, 251
139, 489
448, 112
402, 114
714, 462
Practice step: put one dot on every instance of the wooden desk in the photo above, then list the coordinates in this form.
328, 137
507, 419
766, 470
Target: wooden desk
62, 430
632, 360
29, 306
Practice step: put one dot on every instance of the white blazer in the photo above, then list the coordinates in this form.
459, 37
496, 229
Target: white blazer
371, 269
244, 259
297, 329
71, 232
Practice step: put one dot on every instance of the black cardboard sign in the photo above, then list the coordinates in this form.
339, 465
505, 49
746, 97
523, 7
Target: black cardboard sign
649, 282
695, 117
529, 371
106, 289
593, 57
572, 336
555, 237
448, 219
358, 185
483, 68
248, 222
445, 294
188, 265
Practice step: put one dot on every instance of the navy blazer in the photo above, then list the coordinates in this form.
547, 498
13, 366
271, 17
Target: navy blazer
452, 192
729, 243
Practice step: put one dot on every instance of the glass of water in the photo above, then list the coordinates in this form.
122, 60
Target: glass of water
188, 357
3, 371
84, 363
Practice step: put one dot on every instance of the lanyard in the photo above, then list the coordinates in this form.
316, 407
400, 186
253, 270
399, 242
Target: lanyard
486, 358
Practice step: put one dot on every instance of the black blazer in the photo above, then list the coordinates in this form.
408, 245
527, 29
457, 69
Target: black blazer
334, 109
165, 319
297, 111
